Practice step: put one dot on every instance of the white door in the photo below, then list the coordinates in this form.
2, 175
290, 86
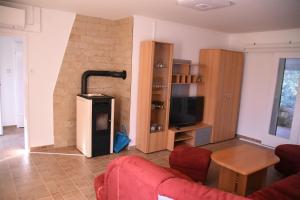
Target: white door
285, 119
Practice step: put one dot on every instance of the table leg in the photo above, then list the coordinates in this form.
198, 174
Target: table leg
257, 180
234, 182
231, 181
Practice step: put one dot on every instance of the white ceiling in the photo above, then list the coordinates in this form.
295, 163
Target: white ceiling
244, 16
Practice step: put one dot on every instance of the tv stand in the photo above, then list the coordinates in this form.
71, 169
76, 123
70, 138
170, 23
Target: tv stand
195, 135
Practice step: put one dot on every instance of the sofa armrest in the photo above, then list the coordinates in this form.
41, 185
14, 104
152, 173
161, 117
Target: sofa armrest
132, 177
99, 187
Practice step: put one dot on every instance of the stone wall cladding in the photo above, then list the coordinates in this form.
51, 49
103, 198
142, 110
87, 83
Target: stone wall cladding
94, 44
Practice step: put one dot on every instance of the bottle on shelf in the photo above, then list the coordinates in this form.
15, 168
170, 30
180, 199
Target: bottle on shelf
158, 85
157, 105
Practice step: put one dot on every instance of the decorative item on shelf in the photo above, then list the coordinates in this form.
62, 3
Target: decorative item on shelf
154, 127
158, 85
159, 127
176, 78
160, 64
199, 79
157, 105
189, 79
183, 78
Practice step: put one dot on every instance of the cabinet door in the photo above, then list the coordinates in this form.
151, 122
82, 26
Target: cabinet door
228, 96
210, 60
236, 77
144, 95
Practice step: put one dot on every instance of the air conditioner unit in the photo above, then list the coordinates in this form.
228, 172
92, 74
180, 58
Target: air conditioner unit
20, 17
12, 17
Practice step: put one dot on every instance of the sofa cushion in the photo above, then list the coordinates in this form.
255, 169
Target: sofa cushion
181, 189
178, 174
285, 189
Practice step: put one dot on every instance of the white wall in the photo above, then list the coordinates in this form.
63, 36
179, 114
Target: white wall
188, 40
260, 73
44, 53
8, 79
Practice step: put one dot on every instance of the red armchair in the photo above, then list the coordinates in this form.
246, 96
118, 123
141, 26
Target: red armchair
289, 155
191, 161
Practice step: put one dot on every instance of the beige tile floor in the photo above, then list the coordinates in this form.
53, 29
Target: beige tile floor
12, 143
49, 177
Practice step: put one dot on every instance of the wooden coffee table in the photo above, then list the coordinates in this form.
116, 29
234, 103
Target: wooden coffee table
243, 167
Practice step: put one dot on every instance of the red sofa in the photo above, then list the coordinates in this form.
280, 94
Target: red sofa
285, 189
134, 178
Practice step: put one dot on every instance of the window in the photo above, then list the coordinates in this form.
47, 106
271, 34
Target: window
285, 97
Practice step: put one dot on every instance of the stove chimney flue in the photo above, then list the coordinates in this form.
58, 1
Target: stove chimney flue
88, 73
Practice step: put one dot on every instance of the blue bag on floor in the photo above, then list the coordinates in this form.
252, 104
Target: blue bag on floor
121, 141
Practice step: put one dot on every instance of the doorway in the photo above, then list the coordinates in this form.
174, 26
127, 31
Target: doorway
285, 119
12, 96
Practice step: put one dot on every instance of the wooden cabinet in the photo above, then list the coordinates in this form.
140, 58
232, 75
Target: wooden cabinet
196, 135
154, 87
223, 71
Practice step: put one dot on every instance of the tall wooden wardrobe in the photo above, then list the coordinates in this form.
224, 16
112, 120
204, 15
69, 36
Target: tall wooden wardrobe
223, 72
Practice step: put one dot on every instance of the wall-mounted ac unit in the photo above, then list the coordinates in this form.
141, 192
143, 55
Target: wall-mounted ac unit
12, 17
20, 17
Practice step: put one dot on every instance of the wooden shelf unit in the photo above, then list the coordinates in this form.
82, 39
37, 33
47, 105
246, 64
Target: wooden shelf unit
182, 73
155, 72
185, 76
217, 77
190, 135
182, 137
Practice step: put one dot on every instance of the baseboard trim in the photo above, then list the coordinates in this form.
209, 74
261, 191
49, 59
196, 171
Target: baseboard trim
131, 147
248, 138
42, 148
253, 141
61, 154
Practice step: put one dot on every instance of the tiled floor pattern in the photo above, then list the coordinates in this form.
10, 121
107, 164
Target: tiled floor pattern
11, 142
50, 177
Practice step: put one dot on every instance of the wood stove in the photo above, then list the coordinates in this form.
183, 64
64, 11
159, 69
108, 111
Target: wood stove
95, 124
95, 118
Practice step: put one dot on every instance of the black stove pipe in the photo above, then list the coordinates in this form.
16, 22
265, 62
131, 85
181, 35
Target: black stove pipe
87, 74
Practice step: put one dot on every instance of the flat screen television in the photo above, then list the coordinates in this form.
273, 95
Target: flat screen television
186, 111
